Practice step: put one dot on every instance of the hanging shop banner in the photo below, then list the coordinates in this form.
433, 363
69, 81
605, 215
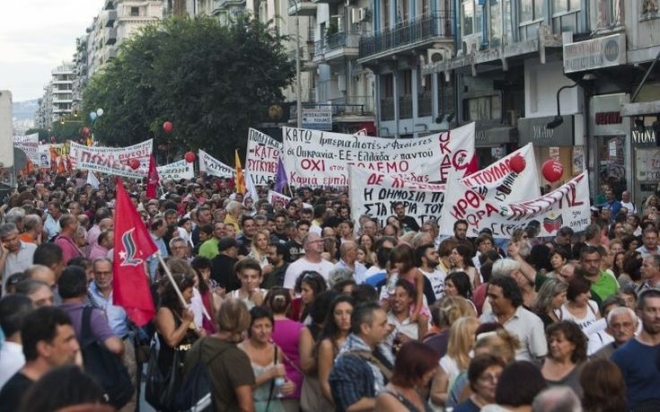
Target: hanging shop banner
374, 194
30, 145
177, 170
263, 153
114, 160
317, 158
212, 166
567, 205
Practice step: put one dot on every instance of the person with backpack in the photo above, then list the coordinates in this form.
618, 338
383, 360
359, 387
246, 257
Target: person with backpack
218, 359
101, 349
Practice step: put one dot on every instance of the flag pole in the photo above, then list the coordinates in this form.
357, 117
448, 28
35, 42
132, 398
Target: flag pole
176, 287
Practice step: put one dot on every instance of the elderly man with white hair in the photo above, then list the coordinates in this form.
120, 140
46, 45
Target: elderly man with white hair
622, 323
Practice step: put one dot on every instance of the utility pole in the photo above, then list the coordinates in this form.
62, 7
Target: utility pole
298, 82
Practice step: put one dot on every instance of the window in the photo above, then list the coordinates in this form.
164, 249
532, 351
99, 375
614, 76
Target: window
468, 17
495, 23
388, 85
406, 82
402, 11
471, 17
135, 11
483, 108
386, 14
532, 9
559, 6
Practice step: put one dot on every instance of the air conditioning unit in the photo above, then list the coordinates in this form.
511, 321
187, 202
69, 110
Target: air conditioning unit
436, 55
472, 43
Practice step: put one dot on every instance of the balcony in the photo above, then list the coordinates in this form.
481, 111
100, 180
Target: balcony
337, 47
302, 8
111, 36
417, 33
352, 106
220, 6
112, 17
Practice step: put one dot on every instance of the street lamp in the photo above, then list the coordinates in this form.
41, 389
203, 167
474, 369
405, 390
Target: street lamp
558, 120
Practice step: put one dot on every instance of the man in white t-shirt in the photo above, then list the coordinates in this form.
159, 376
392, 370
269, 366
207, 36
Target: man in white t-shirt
427, 262
312, 260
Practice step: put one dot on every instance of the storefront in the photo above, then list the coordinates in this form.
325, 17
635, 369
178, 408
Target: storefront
493, 141
611, 146
557, 143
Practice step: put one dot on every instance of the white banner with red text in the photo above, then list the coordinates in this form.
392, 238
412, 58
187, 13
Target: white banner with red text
318, 158
114, 160
263, 152
567, 205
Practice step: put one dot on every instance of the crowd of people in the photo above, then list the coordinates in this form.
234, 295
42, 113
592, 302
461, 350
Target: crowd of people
304, 307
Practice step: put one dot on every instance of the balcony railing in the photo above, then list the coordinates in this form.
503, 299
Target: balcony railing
387, 109
425, 104
424, 28
358, 105
406, 107
302, 8
336, 42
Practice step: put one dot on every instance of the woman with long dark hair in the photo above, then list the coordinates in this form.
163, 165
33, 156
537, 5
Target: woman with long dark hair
308, 285
335, 332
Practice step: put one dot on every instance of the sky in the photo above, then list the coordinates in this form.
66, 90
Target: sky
36, 36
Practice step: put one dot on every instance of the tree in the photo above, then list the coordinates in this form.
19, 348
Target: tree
212, 82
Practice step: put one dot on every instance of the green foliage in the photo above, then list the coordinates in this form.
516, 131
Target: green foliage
212, 82
68, 127
43, 133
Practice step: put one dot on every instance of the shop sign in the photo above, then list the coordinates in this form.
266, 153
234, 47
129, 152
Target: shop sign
534, 130
607, 51
606, 118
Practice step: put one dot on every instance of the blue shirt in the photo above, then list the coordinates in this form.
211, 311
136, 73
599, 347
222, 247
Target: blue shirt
638, 364
376, 278
153, 261
116, 315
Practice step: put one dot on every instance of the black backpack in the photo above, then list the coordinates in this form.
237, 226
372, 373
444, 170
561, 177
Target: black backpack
195, 394
106, 367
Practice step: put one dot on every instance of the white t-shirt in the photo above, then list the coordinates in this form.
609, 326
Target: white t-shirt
588, 319
299, 266
437, 279
11, 361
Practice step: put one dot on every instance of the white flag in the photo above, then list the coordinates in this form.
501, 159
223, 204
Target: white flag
92, 180
251, 189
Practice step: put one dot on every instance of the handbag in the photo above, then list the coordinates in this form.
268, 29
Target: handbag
162, 386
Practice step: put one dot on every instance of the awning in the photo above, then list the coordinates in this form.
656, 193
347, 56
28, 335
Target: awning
641, 109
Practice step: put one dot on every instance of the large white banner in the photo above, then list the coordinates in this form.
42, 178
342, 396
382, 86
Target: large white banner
495, 184
177, 170
263, 153
30, 145
212, 166
566, 206
317, 158
374, 193
114, 160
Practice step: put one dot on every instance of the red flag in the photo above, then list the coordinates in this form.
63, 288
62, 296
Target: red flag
152, 178
473, 166
133, 245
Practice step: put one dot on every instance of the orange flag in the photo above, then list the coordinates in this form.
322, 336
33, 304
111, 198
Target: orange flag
240, 179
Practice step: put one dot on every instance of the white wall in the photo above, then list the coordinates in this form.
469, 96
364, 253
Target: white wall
541, 84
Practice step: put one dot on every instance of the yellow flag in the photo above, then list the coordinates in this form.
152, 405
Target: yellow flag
240, 179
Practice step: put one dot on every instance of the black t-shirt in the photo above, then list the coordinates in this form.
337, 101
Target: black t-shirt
12, 393
296, 250
222, 271
408, 223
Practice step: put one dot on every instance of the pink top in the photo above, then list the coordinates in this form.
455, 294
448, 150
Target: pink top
287, 334
69, 248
